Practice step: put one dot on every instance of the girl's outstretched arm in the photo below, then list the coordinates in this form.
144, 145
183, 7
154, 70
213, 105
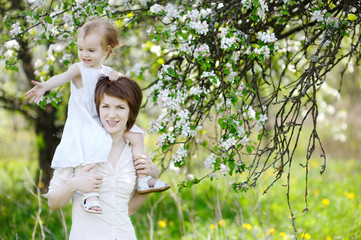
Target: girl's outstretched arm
40, 88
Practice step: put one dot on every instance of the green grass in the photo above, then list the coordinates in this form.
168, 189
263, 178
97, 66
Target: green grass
197, 213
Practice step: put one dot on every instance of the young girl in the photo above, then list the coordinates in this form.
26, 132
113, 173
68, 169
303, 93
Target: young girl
84, 141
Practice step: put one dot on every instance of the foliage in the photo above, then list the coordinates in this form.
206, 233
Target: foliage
194, 213
238, 79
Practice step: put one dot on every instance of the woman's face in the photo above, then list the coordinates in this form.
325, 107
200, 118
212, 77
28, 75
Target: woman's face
114, 114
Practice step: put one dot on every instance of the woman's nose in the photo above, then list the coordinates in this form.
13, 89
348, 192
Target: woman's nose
112, 112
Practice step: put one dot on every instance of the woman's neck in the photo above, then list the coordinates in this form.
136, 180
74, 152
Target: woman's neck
118, 139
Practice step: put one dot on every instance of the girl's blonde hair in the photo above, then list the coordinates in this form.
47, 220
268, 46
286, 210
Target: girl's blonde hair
109, 32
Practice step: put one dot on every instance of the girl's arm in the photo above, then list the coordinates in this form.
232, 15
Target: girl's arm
85, 180
41, 87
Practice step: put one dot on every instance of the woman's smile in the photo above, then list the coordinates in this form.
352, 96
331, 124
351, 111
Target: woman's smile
114, 114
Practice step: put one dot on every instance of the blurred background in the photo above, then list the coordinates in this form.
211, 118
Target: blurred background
210, 210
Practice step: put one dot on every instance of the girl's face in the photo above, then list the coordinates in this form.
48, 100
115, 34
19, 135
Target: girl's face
90, 50
114, 114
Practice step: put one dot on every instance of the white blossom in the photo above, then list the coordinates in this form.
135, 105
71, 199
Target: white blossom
200, 27
223, 169
266, 37
228, 143
202, 50
317, 16
156, 9
137, 69
12, 44
244, 141
181, 154
210, 161
16, 29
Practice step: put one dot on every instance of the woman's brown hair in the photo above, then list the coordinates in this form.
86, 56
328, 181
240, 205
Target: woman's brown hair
123, 88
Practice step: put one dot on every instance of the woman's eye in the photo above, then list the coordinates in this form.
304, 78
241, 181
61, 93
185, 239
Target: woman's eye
104, 106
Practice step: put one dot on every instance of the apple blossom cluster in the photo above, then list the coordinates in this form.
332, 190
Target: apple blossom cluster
202, 51
11, 46
320, 17
180, 156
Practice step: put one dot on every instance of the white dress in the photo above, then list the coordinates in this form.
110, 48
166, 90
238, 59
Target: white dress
116, 191
84, 140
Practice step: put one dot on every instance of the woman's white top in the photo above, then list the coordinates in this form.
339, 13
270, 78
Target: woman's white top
84, 140
116, 191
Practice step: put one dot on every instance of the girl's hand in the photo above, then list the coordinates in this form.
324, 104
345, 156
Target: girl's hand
114, 75
87, 179
36, 92
143, 165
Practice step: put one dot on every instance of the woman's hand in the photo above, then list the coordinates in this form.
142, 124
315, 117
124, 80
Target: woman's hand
87, 179
144, 165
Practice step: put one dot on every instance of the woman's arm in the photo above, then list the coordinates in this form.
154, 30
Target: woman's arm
85, 180
41, 87
142, 165
135, 203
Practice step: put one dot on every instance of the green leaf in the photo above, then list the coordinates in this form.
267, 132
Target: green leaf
100, 9
158, 38
171, 71
48, 19
249, 149
87, 9
164, 147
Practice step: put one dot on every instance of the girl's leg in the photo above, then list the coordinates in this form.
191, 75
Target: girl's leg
145, 183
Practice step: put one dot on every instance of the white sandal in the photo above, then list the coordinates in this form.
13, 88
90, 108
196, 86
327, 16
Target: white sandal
144, 188
89, 204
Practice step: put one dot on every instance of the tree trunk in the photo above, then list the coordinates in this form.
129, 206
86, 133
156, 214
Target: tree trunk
45, 127
47, 142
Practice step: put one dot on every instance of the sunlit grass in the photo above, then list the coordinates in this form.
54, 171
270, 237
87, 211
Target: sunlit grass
203, 212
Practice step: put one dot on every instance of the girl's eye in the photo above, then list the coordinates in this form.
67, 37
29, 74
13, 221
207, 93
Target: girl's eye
120, 107
91, 50
104, 106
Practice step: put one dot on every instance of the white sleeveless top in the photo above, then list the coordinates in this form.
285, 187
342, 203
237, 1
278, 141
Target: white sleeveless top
114, 195
84, 140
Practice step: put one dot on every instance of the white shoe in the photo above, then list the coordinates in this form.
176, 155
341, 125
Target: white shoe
144, 188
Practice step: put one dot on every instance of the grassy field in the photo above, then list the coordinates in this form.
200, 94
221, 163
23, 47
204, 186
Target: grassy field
207, 211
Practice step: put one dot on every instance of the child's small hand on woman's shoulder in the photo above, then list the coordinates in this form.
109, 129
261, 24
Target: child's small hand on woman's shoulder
114, 75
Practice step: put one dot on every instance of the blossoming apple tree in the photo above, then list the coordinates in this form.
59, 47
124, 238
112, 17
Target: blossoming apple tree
238, 80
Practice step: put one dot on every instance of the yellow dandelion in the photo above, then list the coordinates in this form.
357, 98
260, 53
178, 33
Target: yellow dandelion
325, 202
272, 231
351, 196
328, 238
222, 223
316, 192
162, 223
283, 235
41, 184
213, 226
306, 236
314, 163
247, 226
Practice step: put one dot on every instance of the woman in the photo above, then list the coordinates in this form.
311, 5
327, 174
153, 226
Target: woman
117, 103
